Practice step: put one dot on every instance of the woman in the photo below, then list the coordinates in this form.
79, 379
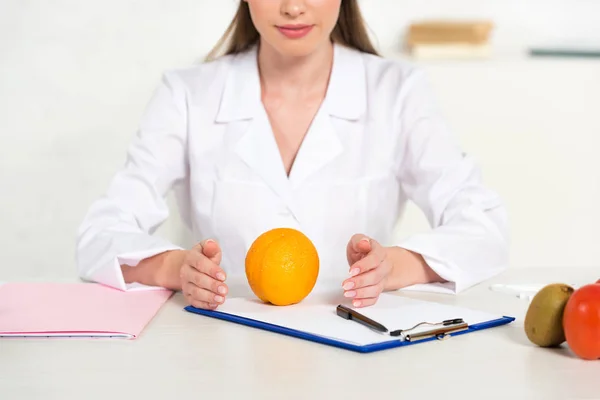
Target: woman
300, 124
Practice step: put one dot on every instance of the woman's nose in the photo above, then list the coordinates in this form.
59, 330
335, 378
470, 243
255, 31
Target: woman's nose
293, 8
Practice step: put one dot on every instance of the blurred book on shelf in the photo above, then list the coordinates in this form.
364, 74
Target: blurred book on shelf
439, 39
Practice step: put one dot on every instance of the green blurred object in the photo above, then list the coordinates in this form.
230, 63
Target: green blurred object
573, 52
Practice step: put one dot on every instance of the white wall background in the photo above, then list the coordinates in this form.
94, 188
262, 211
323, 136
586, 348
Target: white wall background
75, 77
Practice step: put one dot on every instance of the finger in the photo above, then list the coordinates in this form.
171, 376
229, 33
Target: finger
204, 281
367, 292
360, 243
201, 294
212, 250
370, 261
364, 302
199, 261
357, 247
368, 278
200, 304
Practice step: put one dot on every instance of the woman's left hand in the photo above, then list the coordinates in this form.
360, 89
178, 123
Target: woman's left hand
370, 267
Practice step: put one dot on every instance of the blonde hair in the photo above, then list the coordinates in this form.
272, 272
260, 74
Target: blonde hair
241, 34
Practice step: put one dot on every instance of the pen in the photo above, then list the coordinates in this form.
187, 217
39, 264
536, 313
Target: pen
457, 322
348, 313
440, 333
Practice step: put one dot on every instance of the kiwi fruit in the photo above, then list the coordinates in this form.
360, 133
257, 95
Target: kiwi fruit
543, 321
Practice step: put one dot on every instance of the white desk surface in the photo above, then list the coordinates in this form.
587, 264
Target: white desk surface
187, 356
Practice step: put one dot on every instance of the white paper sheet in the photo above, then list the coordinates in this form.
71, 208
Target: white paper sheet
317, 315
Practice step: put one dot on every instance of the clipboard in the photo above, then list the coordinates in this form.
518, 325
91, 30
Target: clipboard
426, 335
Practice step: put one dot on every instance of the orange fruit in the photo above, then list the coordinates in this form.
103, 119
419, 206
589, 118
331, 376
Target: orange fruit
282, 266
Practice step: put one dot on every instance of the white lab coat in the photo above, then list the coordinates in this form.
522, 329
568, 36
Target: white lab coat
377, 142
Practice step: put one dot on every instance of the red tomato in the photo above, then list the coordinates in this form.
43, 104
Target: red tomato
581, 322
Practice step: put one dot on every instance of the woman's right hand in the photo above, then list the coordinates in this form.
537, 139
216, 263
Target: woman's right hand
202, 279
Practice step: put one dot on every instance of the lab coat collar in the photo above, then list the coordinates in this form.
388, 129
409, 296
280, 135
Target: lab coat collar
347, 92
241, 94
345, 98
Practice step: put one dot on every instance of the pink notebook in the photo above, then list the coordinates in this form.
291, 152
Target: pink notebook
76, 310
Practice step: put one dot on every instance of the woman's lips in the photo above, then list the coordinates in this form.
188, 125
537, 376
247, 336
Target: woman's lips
295, 31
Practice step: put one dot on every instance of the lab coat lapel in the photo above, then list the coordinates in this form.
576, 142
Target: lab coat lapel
242, 110
259, 151
241, 107
320, 146
345, 100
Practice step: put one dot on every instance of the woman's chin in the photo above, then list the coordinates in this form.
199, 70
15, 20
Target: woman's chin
297, 48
